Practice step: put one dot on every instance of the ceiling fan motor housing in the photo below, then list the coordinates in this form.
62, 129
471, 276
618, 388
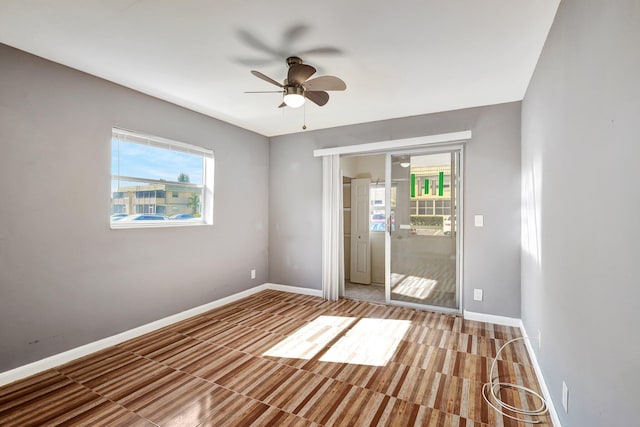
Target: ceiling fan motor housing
294, 90
293, 60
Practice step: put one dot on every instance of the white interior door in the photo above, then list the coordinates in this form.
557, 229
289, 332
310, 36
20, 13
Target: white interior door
360, 270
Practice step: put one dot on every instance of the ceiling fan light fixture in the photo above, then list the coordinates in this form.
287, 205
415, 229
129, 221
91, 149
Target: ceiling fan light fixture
294, 96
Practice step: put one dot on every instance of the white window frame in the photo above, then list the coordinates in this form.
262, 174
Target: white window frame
171, 145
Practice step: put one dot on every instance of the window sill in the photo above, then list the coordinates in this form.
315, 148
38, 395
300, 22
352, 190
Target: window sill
156, 224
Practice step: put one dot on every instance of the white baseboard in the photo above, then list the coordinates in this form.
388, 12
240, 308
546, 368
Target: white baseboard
294, 289
541, 381
490, 318
84, 350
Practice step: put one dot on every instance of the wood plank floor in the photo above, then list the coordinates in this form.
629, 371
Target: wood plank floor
280, 359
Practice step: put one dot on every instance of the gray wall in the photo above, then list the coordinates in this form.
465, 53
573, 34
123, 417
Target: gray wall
66, 279
492, 188
581, 233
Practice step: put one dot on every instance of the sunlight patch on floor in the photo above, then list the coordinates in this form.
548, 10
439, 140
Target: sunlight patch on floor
311, 338
412, 286
370, 342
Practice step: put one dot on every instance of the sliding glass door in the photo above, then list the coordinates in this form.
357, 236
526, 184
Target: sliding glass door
422, 243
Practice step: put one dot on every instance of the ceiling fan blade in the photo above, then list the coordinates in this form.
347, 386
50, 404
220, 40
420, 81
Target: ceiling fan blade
282, 105
318, 97
259, 75
256, 43
254, 62
298, 73
325, 83
293, 33
324, 50
264, 91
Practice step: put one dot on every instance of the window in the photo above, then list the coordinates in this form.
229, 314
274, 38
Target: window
443, 207
156, 194
145, 170
422, 207
377, 208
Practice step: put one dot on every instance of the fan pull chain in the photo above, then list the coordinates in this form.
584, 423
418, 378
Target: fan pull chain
304, 116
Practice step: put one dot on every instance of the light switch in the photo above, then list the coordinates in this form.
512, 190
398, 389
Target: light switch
479, 220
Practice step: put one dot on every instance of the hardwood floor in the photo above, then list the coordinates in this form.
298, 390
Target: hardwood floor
280, 359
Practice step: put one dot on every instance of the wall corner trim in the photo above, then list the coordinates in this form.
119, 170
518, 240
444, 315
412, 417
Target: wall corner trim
491, 318
84, 350
543, 385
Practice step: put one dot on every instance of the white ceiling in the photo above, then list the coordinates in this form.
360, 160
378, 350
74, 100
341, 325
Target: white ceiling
399, 58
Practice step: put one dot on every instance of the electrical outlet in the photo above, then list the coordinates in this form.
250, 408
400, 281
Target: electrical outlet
253, 274
565, 397
539, 340
477, 294
478, 220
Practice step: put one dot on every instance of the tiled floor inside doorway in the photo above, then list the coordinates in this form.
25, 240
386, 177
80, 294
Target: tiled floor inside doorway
372, 293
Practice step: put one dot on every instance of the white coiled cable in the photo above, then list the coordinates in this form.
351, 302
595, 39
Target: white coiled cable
493, 388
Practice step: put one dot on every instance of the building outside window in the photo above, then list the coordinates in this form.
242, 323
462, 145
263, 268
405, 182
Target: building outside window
430, 200
431, 196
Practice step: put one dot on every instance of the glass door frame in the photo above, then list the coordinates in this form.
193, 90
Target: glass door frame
459, 215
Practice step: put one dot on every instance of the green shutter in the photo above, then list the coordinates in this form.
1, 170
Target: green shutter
413, 185
426, 186
440, 183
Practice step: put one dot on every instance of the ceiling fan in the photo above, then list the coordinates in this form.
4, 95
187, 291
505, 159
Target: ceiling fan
297, 87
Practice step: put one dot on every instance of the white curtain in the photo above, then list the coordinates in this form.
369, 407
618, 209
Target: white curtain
332, 232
